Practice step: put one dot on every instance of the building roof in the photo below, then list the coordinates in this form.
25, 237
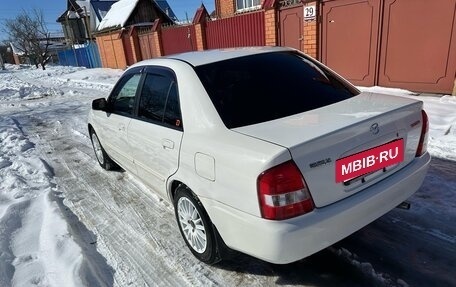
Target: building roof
164, 6
118, 15
120, 12
101, 8
16, 49
75, 9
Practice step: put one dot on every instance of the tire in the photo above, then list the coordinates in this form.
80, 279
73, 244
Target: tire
195, 226
102, 157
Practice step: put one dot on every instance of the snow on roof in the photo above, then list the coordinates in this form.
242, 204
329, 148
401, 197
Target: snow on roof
118, 15
72, 15
16, 49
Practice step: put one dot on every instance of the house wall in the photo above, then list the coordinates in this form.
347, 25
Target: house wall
144, 12
226, 8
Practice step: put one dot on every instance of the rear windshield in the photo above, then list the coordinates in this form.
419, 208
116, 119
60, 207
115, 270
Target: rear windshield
264, 87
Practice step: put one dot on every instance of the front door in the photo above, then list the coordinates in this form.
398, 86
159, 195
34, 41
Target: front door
114, 127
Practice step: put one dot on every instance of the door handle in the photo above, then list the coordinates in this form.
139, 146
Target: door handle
167, 144
300, 39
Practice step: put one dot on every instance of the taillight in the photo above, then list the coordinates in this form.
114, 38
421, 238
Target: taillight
283, 193
422, 145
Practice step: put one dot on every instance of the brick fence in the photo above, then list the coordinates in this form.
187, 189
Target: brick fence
122, 48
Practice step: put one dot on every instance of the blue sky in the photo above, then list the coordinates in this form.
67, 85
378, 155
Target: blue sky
52, 9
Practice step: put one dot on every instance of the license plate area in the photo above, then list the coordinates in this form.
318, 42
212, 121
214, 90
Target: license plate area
365, 164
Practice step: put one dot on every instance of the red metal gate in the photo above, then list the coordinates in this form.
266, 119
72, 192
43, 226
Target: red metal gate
419, 45
291, 25
238, 31
350, 39
393, 43
178, 39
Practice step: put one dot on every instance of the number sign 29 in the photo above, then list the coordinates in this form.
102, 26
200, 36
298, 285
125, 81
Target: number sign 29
310, 12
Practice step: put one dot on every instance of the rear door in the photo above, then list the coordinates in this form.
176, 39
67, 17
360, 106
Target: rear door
156, 133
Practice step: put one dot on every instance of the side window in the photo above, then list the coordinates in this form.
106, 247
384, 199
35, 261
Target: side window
172, 111
122, 100
159, 100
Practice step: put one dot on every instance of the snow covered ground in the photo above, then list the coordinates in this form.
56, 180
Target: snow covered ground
66, 222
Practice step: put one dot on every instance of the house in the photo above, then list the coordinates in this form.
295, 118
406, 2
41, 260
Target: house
21, 53
126, 13
228, 8
116, 34
82, 18
6, 54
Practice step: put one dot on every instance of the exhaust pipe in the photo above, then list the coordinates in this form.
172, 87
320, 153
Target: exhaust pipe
404, 205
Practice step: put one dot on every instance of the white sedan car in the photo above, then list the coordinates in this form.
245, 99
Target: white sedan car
261, 150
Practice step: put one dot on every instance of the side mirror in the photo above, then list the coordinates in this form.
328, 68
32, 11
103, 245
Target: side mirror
100, 105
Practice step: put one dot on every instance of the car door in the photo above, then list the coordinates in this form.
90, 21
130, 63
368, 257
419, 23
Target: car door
114, 125
157, 130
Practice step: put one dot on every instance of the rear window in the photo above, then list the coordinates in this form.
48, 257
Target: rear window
264, 87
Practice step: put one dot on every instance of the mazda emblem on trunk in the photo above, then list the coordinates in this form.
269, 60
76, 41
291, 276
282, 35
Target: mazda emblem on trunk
374, 129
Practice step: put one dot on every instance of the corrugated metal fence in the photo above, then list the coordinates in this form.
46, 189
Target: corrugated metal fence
178, 39
240, 31
82, 56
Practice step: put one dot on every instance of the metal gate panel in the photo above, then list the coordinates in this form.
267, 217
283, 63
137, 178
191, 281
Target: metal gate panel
178, 39
419, 45
291, 27
350, 38
239, 31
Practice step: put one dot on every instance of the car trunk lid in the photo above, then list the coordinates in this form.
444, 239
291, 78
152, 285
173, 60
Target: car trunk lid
322, 140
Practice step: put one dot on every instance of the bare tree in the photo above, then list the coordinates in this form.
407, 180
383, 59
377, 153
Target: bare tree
29, 34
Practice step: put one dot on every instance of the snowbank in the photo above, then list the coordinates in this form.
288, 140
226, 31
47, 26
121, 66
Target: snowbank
35, 244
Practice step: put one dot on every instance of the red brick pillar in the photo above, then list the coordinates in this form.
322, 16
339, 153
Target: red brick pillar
310, 34
200, 33
100, 41
270, 29
134, 42
157, 50
199, 22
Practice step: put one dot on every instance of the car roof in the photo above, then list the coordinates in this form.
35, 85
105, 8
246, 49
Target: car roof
199, 58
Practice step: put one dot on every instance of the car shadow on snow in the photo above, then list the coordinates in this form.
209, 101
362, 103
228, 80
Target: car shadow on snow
325, 268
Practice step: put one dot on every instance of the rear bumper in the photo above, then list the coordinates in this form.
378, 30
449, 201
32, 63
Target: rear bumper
290, 240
